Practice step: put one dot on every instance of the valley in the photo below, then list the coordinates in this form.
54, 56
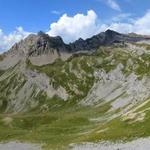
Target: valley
95, 94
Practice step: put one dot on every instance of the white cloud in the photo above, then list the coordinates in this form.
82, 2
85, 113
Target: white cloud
140, 25
122, 17
6, 41
84, 26
113, 4
71, 28
55, 12
81, 25
120, 27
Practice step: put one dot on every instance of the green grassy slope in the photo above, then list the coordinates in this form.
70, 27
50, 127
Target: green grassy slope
66, 122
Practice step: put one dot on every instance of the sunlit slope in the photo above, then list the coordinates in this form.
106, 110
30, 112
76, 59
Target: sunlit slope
89, 97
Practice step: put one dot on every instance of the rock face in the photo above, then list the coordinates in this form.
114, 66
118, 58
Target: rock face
41, 49
103, 39
35, 45
27, 72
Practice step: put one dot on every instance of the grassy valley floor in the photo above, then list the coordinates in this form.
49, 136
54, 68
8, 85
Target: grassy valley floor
59, 129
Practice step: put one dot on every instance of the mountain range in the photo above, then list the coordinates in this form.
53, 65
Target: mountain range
91, 90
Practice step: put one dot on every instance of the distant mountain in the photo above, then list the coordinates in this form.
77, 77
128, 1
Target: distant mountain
103, 39
42, 43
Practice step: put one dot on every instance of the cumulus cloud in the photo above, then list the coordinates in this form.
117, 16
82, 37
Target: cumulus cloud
71, 28
6, 41
82, 25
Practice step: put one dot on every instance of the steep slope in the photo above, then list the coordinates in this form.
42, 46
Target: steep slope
90, 90
42, 49
104, 39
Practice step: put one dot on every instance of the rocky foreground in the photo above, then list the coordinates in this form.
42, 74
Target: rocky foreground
19, 146
139, 144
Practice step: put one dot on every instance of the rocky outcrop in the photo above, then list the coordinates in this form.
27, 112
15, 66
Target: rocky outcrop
104, 39
43, 49
35, 45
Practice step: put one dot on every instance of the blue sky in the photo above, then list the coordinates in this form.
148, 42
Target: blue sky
18, 18
35, 15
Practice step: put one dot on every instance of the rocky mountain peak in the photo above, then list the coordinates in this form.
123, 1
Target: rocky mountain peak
111, 32
37, 44
42, 43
